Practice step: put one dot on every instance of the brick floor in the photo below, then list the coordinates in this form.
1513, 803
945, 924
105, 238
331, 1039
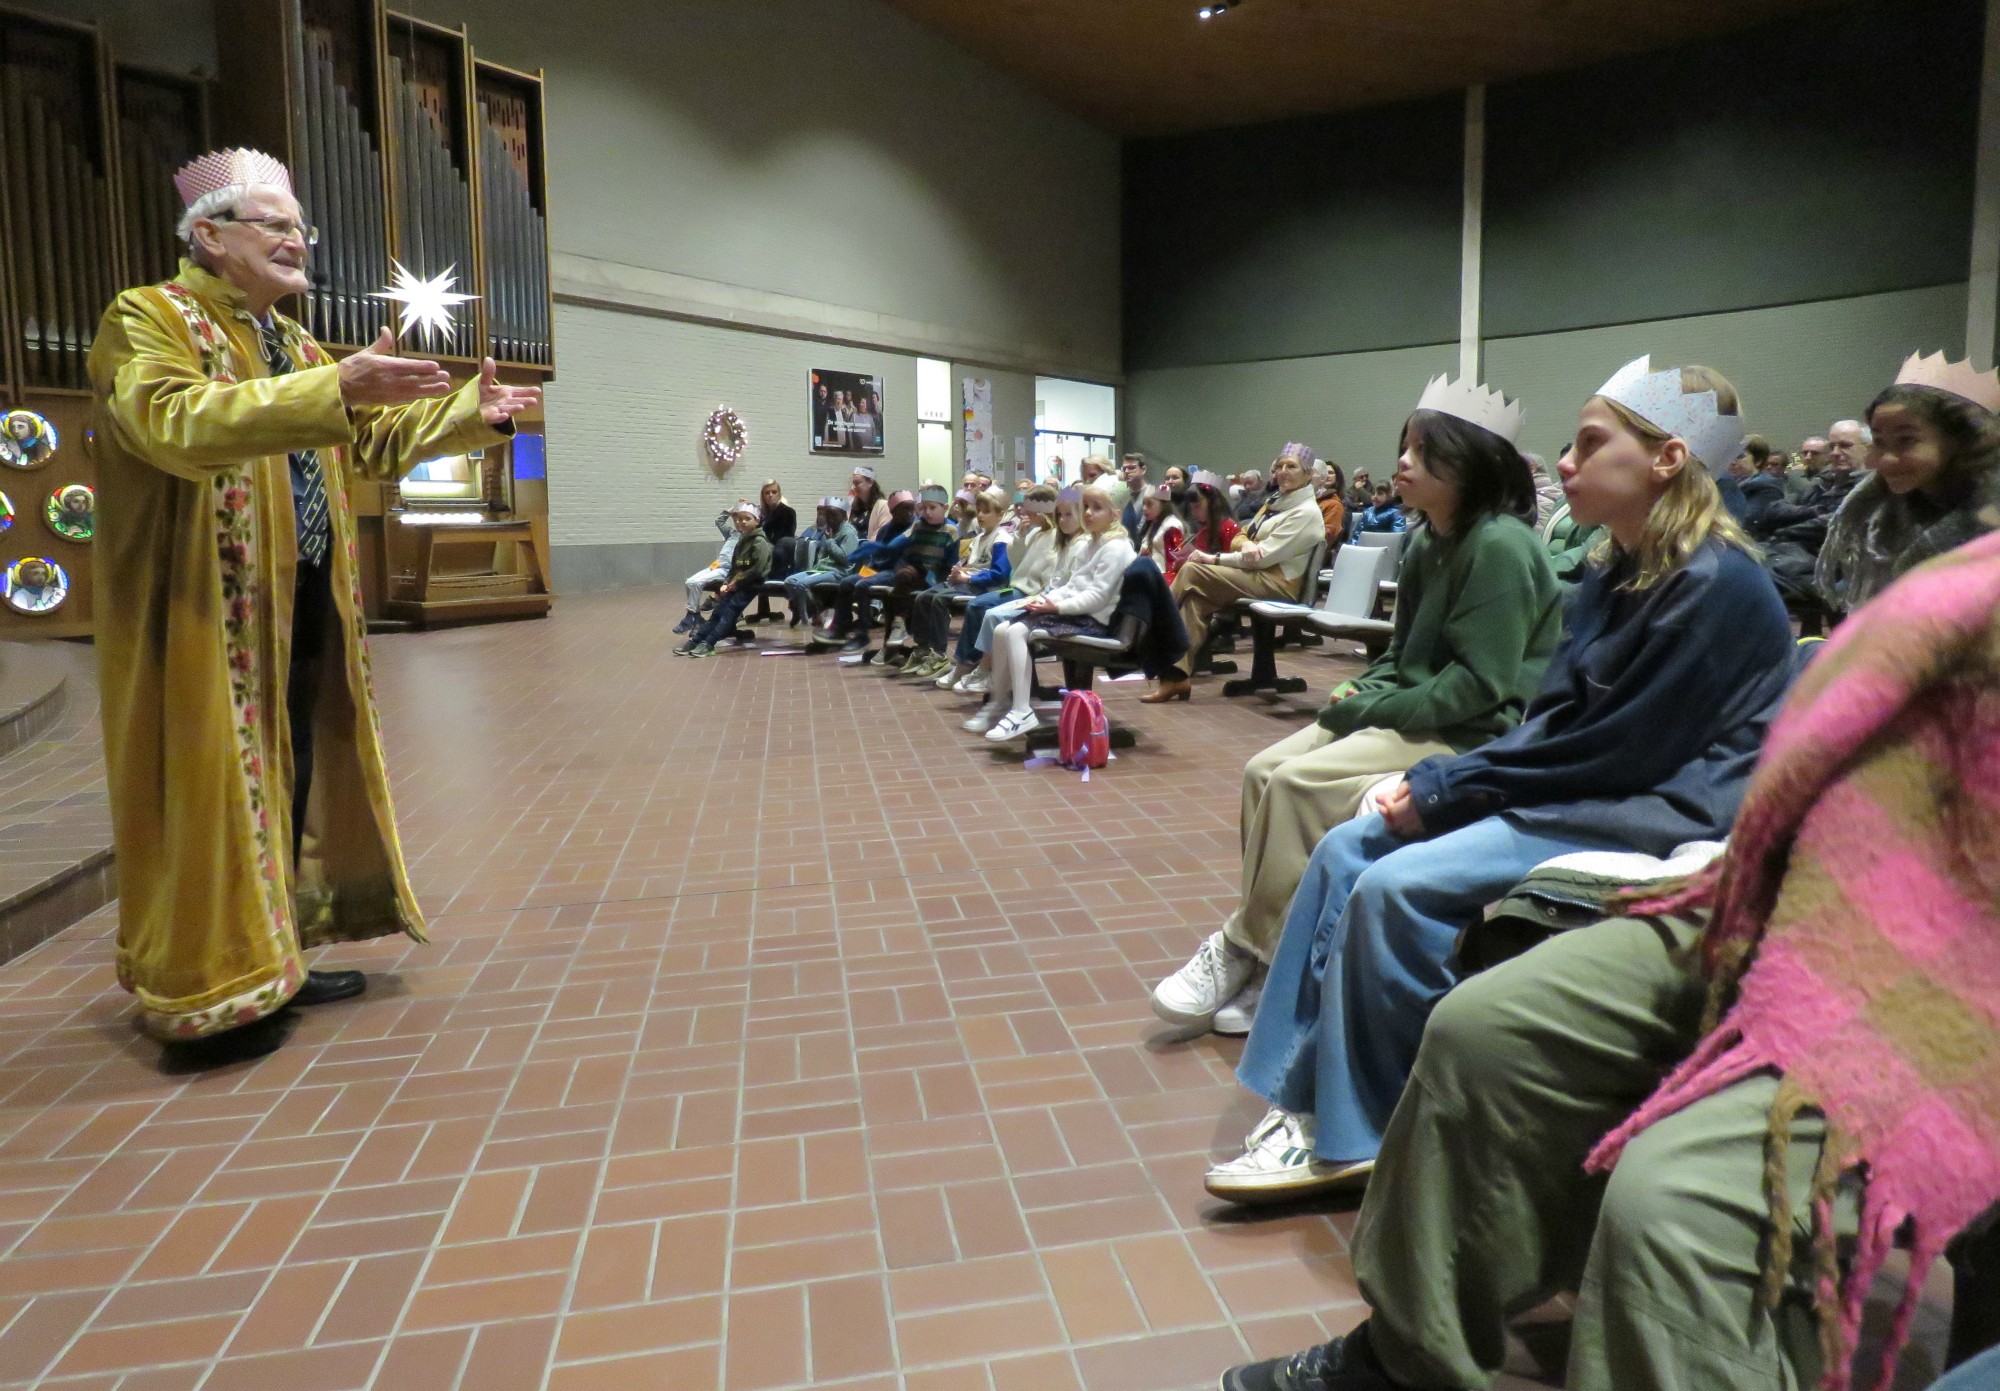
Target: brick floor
774, 1033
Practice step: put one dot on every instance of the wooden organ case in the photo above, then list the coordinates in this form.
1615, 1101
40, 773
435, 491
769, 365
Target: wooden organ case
405, 148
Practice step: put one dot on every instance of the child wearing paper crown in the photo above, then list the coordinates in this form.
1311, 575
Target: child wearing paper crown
810, 591
1478, 615
983, 566
1933, 482
1677, 653
920, 557
748, 566
1805, 984
1038, 558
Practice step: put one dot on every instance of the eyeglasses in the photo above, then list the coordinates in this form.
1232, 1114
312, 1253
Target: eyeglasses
283, 228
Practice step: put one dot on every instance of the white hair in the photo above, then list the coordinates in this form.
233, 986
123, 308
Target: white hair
1858, 426
210, 206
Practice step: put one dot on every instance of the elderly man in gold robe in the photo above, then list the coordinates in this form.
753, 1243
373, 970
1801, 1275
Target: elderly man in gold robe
239, 721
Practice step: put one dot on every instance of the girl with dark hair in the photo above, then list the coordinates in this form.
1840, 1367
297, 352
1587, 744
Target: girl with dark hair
1478, 613
1210, 527
1934, 485
870, 512
1677, 654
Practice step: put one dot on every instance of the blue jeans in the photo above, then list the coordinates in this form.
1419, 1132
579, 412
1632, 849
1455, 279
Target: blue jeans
1368, 950
970, 627
721, 623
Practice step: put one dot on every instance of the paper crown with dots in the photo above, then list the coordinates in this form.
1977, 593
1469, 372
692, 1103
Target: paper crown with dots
1957, 378
1693, 417
226, 169
1469, 401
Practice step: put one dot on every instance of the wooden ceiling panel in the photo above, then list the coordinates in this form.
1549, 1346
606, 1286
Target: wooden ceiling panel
1147, 67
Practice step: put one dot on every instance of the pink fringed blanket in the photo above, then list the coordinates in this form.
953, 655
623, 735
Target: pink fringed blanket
1862, 891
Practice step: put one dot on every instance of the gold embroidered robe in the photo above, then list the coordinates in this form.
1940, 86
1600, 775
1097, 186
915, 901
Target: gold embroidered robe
196, 554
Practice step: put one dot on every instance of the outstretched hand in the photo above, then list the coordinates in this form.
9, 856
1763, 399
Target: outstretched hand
377, 376
499, 401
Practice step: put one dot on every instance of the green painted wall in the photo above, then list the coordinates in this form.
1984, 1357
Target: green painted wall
1799, 368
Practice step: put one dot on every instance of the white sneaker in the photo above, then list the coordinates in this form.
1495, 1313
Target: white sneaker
978, 682
1016, 726
1277, 1165
952, 676
899, 636
1191, 996
983, 721
1234, 1019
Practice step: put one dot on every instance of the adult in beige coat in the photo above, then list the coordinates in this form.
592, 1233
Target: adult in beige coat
1267, 560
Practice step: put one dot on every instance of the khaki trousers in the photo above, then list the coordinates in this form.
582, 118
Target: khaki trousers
1294, 793
1203, 589
1479, 1208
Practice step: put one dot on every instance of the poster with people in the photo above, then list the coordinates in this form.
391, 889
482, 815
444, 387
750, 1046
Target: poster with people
846, 413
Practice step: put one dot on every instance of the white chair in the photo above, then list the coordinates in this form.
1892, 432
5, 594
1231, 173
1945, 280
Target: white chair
1345, 611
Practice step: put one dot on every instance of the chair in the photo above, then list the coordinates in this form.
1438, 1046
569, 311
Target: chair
1231, 615
1390, 541
1082, 657
1347, 611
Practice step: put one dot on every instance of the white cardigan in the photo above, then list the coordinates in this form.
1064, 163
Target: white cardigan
1033, 561
1094, 580
1282, 538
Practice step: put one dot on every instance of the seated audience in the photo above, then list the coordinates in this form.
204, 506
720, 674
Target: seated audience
1265, 561
1548, 488
1095, 471
1209, 526
777, 519
1845, 941
1132, 473
1478, 615
1331, 491
1569, 544
1384, 513
703, 581
819, 587
870, 510
1177, 478
1161, 532
1762, 490
1677, 653
1812, 457
1082, 603
821, 551
918, 558
1250, 494
749, 563
1360, 493
1041, 556
1934, 482
982, 567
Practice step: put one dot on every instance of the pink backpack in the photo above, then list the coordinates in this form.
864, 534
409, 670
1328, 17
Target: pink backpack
1083, 734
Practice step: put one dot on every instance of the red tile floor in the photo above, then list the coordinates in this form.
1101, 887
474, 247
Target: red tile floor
773, 1034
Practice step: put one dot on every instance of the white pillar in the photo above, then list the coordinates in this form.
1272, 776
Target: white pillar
1472, 227
1982, 299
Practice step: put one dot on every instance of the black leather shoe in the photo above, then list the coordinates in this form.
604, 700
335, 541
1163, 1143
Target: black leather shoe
244, 1044
324, 987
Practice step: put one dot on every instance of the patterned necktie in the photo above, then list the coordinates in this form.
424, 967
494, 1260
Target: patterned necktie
308, 483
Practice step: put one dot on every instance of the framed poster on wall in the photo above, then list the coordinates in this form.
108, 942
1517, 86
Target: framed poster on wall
845, 410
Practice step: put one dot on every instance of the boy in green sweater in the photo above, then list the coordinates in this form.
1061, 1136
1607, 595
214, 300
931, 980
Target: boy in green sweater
1478, 615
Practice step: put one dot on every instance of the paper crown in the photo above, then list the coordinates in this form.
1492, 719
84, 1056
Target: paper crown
1208, 478
905, 496
1957, 378
1691, 416
1160, 491
1072, 495
834, 502
1475, 404
1301, 454
865, 471
227, 168
1040, 506
965, 495
746, 509
931, 492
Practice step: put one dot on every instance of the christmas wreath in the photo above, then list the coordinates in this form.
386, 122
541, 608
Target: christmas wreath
725, 437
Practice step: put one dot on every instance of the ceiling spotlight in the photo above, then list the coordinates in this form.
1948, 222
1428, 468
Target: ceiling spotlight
1215, 8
